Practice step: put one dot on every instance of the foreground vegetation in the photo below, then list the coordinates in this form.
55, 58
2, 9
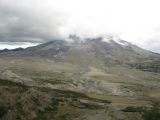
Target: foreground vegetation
19, 102
147, 113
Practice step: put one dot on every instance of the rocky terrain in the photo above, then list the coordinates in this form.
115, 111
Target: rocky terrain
91, 79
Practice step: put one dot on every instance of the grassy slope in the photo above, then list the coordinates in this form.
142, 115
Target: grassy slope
60, 104
34, 103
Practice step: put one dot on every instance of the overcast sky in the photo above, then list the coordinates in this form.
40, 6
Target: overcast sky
136, 21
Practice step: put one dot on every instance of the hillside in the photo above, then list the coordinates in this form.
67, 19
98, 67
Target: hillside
90, 79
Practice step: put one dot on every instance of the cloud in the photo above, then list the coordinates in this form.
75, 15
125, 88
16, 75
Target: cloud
44, 20
22, 22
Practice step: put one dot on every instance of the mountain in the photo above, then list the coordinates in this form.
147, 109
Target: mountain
75, 79
89, 45
90, 50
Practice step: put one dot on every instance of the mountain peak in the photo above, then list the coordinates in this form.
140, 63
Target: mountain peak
97, 46
108, 39
111, 39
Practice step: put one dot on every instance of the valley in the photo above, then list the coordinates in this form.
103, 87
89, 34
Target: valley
77, 81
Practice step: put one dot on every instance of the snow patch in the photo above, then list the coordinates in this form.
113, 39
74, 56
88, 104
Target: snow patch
121, 42
106, 40
110, 39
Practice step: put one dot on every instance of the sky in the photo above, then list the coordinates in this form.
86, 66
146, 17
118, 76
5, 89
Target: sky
38, 21
14, 45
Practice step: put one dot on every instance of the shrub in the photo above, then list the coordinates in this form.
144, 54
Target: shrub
133, 109
3, 111
153, 113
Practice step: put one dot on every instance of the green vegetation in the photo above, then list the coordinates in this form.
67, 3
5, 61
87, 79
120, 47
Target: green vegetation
150, 66
10, 83
65, 104
47, 103
3, 111
153, 113
133, 109
119, 99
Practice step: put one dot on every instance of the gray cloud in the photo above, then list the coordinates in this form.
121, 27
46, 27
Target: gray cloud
45, 20
26, 24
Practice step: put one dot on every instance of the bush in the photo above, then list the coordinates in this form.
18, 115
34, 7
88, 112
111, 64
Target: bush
3, 111
133, 109
153, 113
